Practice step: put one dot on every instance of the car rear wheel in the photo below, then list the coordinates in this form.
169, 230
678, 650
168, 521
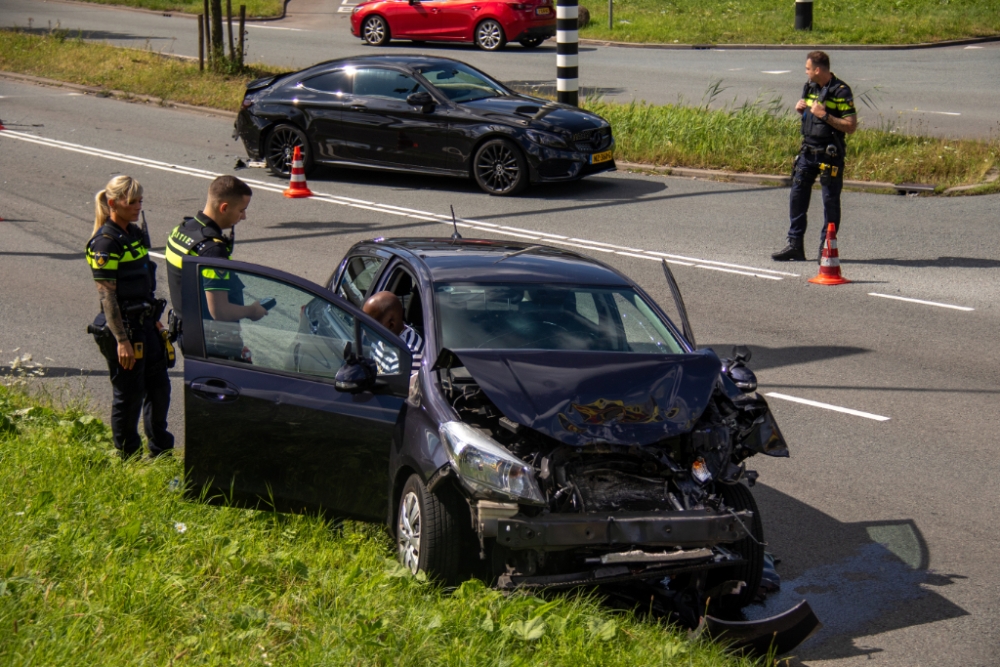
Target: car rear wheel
751, 549
531, 42
375, 31
279, 148
500, 168
429, 536
490, 36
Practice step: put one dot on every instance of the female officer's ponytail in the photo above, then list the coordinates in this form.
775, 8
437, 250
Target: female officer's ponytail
118, 188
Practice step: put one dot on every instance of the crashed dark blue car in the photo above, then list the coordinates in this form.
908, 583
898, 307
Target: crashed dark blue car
560, 429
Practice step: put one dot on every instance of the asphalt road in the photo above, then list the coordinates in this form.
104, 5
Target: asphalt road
947, 91
884, 525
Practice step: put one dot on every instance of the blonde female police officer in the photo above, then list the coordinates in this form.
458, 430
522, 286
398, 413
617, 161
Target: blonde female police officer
126, 282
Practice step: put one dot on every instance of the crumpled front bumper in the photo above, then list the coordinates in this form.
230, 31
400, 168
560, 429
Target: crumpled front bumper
555, 532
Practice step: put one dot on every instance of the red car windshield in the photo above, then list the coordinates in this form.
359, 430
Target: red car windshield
460, 83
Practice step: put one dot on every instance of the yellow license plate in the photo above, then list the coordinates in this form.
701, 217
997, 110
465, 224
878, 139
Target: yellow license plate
601, 157
542, 11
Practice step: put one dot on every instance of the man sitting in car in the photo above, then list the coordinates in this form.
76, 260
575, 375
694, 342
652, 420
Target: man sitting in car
387, 309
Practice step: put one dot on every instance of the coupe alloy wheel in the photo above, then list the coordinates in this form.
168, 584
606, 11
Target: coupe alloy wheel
489, 36
408, 532
281, 147
499, 168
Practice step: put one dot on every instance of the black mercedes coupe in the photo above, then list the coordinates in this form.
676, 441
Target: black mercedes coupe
420, 114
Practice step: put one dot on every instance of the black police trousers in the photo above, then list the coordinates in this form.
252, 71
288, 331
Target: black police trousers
807, 169
145, 390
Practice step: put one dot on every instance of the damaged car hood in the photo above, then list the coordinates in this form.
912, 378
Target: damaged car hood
582, 398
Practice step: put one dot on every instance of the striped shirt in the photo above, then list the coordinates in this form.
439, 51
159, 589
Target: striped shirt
387, 359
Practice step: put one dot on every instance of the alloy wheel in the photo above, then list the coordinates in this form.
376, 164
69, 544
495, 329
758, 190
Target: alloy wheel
498, 168
408, 532
374, 31
281, 148
489, 36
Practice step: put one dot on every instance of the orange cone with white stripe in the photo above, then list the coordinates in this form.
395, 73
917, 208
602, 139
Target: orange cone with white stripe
829, 263
297, 187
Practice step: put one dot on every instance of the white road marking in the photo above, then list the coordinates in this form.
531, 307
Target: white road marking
827, 406
737, 69
274, 27
415, 214
777, 71
920, 301
940, 113
156, 254
972, 47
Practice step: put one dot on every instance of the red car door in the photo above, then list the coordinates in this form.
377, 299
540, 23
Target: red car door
414, 20
459, 18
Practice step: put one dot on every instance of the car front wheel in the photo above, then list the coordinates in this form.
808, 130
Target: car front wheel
500, 168
375, 31
750, 548
490, 36
279, 150
429, 536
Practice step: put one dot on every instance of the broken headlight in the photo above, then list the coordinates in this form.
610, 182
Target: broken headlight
488, 469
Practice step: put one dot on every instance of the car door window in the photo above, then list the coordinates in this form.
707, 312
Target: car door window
338, 82
385, 83
301, 333
357, 278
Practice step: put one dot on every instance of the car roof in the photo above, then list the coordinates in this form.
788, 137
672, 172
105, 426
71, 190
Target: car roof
399, 60
478, 260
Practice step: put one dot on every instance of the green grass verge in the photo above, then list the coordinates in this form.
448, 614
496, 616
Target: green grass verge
255, 8
105, 563
773, 21
753, 137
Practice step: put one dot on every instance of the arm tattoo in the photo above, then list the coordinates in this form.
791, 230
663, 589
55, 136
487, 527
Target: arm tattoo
112, 313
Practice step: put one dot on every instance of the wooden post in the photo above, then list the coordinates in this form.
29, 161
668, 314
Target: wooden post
218, 35
201, 43
208, 34
229, 24
611, 15
243, 20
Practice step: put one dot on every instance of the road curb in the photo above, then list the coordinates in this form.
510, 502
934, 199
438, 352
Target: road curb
117, 94
793, 47
169, 13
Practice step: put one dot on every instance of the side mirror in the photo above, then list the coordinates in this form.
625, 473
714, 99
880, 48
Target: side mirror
741, 353
414, 2
356, 375
422, 99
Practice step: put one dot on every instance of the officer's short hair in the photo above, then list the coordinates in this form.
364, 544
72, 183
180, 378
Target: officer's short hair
819, 59
228, 189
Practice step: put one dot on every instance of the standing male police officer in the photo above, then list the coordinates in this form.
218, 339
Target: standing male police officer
828, 114
201, 236
117, 254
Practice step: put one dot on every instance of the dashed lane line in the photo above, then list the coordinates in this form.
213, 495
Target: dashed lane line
921, 301
827, 406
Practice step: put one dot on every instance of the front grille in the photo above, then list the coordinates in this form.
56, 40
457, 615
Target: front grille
592, 141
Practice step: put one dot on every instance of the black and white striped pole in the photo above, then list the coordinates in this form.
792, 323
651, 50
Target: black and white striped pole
567, 50
803, 14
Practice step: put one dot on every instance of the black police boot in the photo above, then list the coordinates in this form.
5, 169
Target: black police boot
793, 252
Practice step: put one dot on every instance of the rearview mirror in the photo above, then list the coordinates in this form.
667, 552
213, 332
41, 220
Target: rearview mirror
422, 99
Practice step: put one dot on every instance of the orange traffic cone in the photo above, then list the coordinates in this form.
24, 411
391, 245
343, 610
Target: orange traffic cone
297, 187
829, 263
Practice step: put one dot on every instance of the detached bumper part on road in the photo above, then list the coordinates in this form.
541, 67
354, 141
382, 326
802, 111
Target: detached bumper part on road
673, 529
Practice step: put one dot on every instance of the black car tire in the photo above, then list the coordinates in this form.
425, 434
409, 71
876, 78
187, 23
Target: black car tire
429, 535
375, 31
279, 147
531, 42
751, 570
499, 168
490, 36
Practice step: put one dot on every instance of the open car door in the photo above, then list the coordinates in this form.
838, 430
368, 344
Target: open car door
267, 419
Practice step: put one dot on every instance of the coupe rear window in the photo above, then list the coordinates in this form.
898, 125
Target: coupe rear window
550, 317
461, 83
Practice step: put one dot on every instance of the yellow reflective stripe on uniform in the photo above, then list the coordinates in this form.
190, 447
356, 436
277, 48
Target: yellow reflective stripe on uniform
175, 252
212, 274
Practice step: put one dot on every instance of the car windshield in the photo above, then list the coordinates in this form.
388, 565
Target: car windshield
550, 317
461, 83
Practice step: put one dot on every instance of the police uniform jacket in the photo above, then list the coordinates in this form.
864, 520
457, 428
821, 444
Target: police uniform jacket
838, 99
200, 236
122, 256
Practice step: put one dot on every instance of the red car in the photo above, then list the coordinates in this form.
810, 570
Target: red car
489, 24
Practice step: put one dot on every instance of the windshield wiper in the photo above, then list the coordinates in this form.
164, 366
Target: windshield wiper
519, 252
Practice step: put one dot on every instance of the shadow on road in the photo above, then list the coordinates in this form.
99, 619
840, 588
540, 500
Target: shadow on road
939, 263
861, 579
334, 228
775, 357
100, 35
